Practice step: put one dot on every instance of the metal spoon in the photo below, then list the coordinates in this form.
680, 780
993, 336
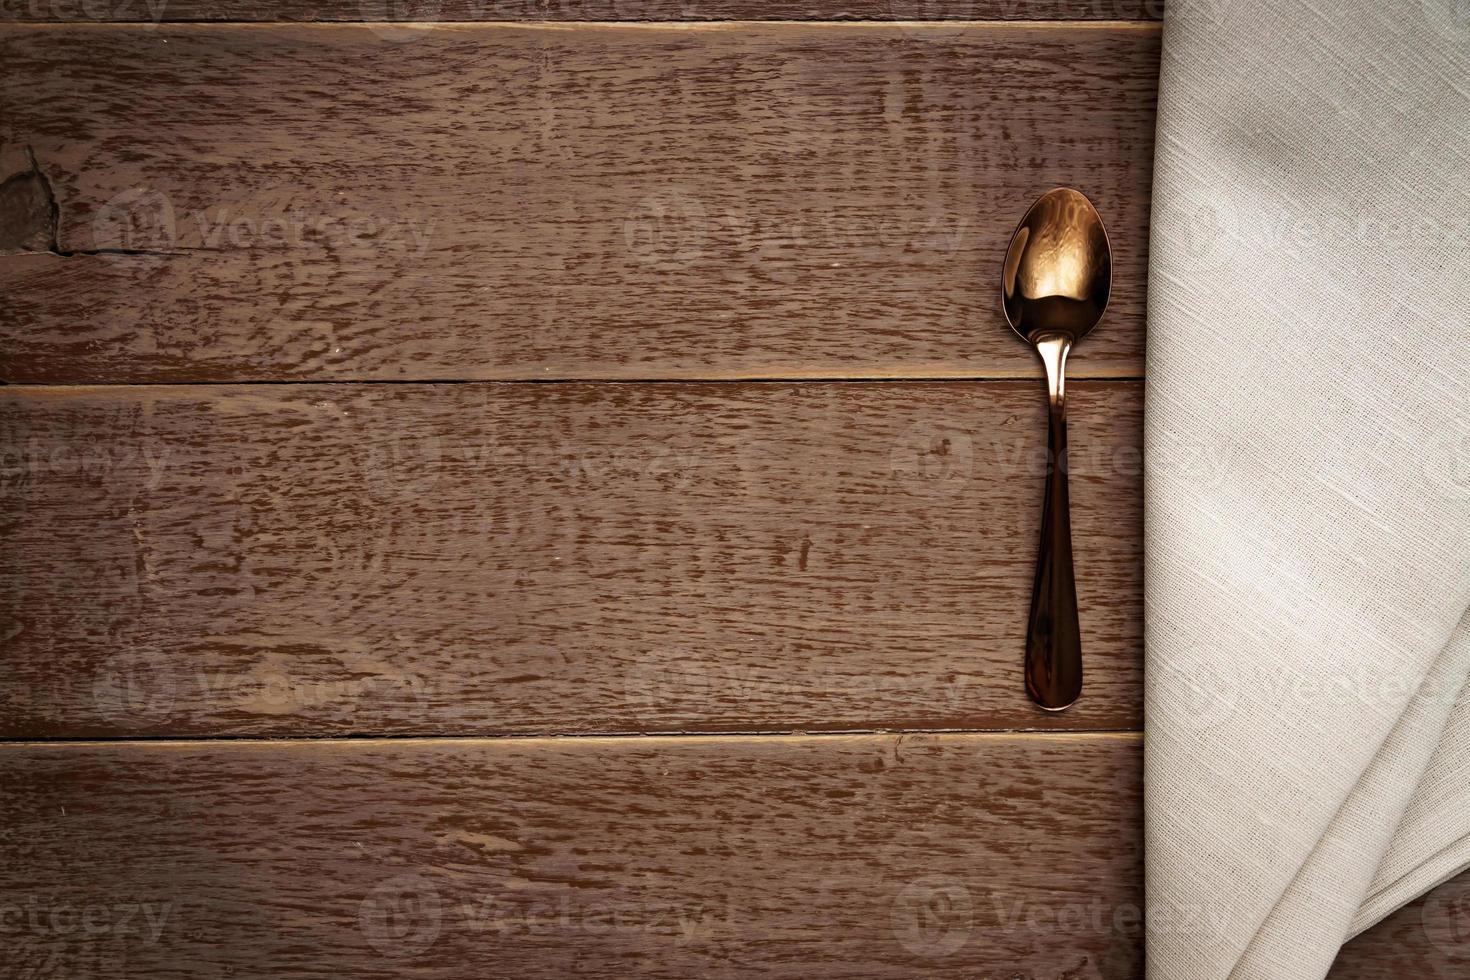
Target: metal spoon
1054, 287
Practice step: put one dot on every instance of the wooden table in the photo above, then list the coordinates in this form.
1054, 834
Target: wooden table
551, 494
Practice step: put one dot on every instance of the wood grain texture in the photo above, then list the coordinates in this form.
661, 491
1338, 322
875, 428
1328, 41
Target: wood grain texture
492, 558
1428, 939
162, 11
511, 202
850, 856
856, 857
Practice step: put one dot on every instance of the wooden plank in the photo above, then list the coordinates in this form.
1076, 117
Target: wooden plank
1428, 939
856, 857
541, 201
432, 11
493, 558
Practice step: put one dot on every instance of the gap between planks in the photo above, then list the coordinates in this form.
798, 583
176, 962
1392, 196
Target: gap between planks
710, 26
678, 738
874, 379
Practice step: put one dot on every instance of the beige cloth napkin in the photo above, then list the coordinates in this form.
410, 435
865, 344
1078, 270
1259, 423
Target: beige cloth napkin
1308, 478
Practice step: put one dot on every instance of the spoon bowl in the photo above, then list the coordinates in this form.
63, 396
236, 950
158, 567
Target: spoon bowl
1058, 270
1055, 284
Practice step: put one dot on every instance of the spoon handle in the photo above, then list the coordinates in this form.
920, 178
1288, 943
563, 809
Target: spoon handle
1053, 635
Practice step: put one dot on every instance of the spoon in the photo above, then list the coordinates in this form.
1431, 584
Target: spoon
1054, 288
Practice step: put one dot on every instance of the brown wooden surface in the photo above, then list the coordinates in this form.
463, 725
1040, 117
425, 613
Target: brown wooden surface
849, 856
730, 201
569, 558
864, 856
1428, 939
156, 11
501, 201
